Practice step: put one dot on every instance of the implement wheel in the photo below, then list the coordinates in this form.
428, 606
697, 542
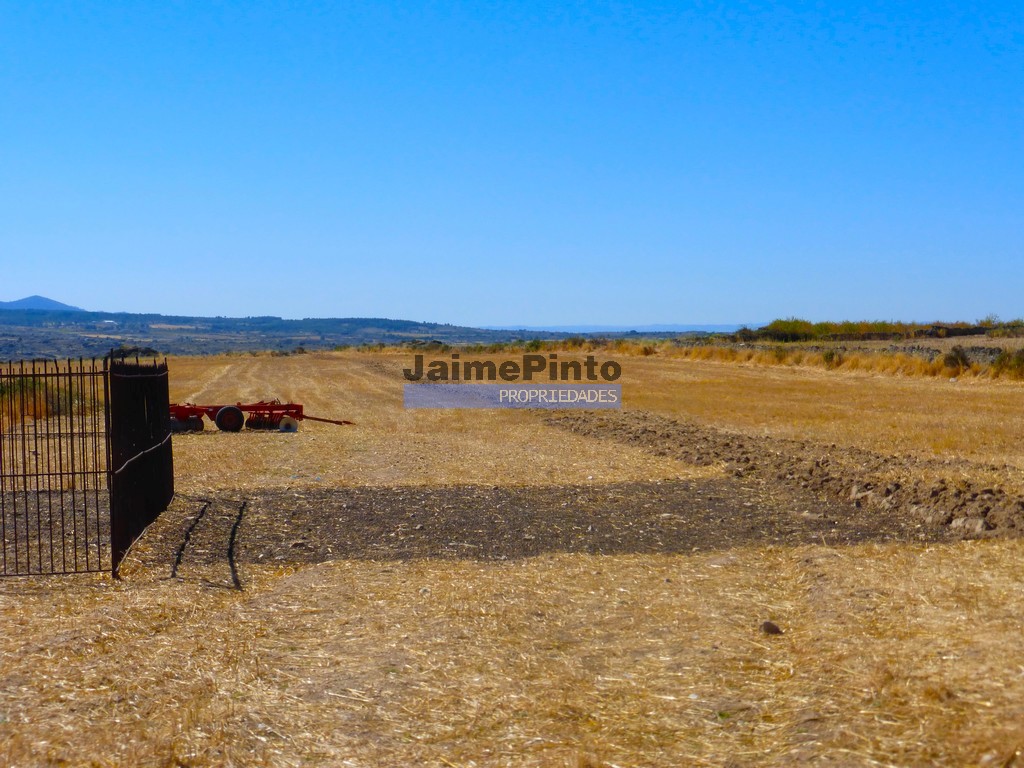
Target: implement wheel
230, 419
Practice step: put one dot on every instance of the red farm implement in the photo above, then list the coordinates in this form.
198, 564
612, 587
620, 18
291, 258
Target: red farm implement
274, 415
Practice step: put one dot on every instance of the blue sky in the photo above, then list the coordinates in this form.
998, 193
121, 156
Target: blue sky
515, 163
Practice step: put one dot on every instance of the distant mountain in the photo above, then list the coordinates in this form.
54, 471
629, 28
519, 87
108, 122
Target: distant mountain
39, 302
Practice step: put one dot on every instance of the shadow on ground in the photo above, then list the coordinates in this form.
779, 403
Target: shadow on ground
499, 523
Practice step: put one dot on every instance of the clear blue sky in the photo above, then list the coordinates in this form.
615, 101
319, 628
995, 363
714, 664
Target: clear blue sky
515, 163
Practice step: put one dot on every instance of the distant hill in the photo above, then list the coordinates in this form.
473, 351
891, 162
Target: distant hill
27, 332
59, 333
39, 302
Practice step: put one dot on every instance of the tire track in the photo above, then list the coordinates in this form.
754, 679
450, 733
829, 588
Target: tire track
210, 382
203, 536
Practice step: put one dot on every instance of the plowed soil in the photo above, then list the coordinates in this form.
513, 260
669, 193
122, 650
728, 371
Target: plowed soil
501, 523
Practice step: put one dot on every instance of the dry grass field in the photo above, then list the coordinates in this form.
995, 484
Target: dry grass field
460, 588
976, 419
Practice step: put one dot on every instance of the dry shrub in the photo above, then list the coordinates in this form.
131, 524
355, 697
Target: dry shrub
1009, 364
901, 364
778, 355
712, 353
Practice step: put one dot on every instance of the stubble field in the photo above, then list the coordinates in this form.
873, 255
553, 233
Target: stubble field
522, 588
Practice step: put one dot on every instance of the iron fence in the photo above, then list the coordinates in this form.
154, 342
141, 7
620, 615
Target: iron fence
85, 462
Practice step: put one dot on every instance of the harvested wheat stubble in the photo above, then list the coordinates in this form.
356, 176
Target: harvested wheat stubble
978, 420
891, 655
902, 653
388, 445
527, 453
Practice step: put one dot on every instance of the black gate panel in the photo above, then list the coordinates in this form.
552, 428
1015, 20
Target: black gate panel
53, 468
85, 462
141, 462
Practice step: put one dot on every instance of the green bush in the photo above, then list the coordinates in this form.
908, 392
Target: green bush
833, 358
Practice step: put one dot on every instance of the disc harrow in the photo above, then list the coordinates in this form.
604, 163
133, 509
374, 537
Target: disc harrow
270, 415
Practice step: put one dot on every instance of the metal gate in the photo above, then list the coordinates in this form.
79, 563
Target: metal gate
85, 462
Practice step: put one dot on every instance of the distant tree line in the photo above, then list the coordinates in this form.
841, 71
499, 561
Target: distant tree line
795, 329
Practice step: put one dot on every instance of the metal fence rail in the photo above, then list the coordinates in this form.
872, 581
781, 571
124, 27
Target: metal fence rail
54, 459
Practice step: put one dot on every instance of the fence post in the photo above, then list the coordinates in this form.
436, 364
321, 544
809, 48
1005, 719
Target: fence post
141, 463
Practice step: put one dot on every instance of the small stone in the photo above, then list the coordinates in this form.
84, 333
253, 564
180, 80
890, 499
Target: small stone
770, 628
971, 526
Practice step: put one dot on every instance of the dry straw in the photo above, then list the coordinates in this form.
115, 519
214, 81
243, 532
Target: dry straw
889, 655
